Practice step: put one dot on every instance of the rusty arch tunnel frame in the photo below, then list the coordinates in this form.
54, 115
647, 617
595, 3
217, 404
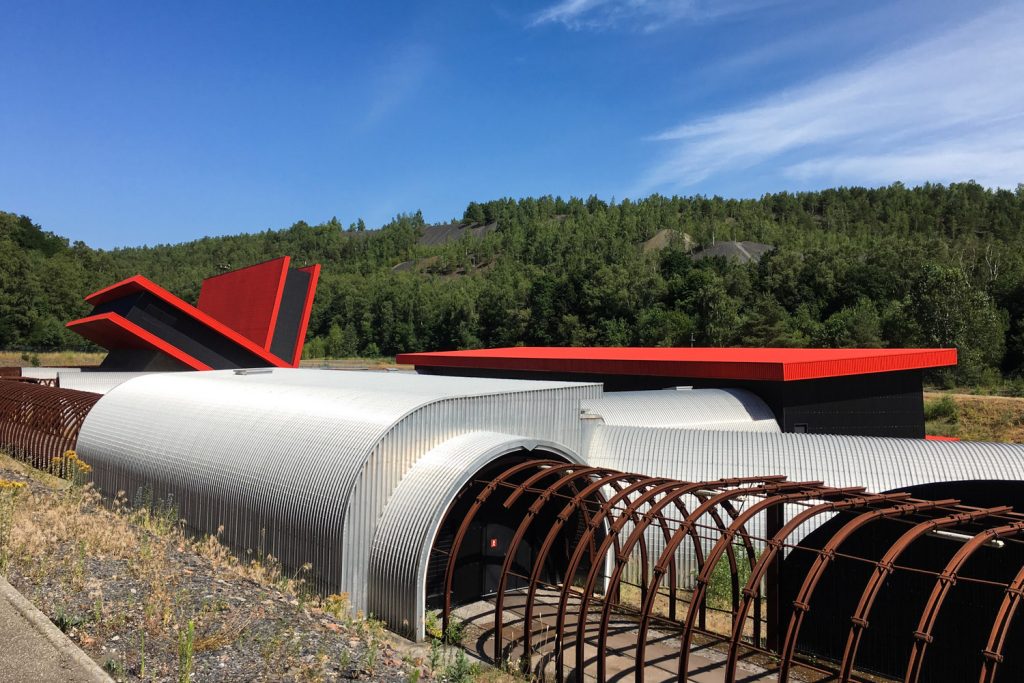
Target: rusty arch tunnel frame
39, 422
618, 509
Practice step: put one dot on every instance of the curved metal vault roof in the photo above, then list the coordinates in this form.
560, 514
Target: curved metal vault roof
717, 409
301, 463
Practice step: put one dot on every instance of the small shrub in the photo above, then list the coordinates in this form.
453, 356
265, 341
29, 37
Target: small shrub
944, 408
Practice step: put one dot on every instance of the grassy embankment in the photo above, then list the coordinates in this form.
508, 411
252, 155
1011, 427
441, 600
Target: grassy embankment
974, 417
149, 602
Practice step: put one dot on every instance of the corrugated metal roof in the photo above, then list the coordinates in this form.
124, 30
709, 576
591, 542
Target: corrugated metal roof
300, 463
96, 382
877, 463
46, 373
880, 464
409, 524
728, 409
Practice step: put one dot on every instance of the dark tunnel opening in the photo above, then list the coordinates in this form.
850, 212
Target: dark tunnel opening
482, 553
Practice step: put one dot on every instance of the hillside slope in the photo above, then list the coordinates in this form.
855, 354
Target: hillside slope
894, 266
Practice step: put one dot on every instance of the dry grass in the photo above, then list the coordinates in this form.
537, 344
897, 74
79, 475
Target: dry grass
145, 600
51, 358
354, 363
975, 418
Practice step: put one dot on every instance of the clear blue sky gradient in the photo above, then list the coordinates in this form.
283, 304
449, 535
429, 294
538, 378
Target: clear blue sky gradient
128, 123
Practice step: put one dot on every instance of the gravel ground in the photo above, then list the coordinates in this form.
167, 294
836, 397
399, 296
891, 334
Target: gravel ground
148, 603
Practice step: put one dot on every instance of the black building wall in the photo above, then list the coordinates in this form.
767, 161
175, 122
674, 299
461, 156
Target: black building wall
878, 404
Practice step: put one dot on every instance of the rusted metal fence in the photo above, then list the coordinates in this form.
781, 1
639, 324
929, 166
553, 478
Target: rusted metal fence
715, 522
38, 423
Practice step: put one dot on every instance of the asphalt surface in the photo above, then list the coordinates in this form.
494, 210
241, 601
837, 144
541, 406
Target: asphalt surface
33, 650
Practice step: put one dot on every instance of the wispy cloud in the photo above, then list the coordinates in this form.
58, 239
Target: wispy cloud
397, 80
643, 15
951, 107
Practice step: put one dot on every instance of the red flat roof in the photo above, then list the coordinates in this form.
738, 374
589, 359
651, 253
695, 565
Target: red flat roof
770, 364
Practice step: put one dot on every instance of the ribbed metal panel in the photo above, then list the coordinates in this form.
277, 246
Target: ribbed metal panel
95, 382
880, 464
46, 373
718, 409
300, 463
409, 524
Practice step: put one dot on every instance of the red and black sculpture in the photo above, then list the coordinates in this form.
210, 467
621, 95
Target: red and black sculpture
246, 318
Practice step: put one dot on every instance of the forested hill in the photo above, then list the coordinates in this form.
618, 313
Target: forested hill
927, 266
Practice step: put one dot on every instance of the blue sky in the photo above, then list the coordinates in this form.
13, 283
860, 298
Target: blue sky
128, 123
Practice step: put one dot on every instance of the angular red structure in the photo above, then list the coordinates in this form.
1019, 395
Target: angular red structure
251, 317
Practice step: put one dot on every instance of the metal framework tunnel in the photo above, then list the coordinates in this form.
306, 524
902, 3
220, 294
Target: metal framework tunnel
712, 519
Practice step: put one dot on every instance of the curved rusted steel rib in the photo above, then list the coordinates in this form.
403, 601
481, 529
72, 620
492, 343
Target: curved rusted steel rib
884, 567
669, 496
574, 562
564, 515
673, 489
943, 583
704, 578
773, 548
513, 547
560, 520
39, 423
621, 559
460, 535
992, 655
772, 486
802, 603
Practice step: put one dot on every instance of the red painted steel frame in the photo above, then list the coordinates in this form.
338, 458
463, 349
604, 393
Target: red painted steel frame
247, 300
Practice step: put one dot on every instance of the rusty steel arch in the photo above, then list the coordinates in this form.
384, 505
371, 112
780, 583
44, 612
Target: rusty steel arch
885, 567
620, 508
943, 583
38, 423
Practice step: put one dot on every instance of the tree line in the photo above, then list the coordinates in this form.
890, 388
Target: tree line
933, 265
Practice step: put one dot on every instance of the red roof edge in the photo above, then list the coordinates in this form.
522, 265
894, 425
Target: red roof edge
113, 331
702, 363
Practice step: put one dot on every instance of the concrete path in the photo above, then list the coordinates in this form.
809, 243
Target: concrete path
707, 665
33, 650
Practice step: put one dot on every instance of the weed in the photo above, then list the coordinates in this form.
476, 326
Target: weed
65, 622
371, 656
413, 676
436, 653
142, 653
114, 667
461, 669
186, 642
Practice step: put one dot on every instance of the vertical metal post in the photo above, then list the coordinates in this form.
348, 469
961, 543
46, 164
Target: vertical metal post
773, 580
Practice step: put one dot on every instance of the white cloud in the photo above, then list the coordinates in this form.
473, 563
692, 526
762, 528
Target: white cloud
645, 15
948, 108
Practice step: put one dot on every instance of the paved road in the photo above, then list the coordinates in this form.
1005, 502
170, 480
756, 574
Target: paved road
33, 650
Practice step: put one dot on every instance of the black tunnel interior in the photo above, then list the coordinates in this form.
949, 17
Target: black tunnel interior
482, 554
